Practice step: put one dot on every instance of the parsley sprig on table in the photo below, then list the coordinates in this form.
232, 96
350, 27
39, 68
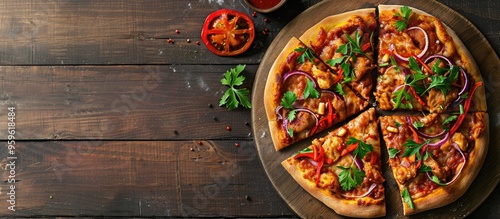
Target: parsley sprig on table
405, 14
233, 97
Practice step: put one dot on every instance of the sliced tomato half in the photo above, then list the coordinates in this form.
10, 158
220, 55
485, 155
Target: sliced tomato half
228, 32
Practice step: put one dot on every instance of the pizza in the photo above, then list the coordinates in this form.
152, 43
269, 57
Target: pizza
434, 158
429, 103
422, 64
343, 169
306, 92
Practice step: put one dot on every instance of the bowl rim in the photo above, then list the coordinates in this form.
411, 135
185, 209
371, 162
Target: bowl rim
266, 10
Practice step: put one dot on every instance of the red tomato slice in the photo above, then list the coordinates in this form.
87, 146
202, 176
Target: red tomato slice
228, 32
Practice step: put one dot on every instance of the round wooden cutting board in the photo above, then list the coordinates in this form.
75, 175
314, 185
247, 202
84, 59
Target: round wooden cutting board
307, 206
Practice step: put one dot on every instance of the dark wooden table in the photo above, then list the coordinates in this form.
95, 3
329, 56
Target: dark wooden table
112, 120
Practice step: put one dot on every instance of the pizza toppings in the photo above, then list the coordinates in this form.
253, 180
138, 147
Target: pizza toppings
405, 15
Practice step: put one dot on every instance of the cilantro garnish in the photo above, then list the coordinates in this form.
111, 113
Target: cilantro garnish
418, 124
362, 149
405, 14
338, 89
291, 115
310, 90
307, 53
412, 147
442, 82
349, 52
449, 119
350, 177
233, 97
288, 99
393, 152
410, 80
438, 70
407, 198
436, 180
424, 168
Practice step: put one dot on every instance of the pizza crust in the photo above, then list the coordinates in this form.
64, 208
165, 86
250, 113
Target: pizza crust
341, 207
446, 195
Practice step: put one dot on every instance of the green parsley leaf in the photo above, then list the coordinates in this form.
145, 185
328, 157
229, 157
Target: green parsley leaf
233, 97
291, 115
333, 62
307, 53
436, 180
405, 14
450, 119
290, 132
442, 82
362, 149
407, 198
338, 89
348, 72
398, 99
418, 124
412, 147
397, 124
424, 168
288, 99
350, 177
438, 70
310, 90
393, 152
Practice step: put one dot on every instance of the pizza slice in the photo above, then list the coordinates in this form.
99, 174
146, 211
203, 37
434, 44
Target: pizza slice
345, 43
434, 158
422, 64
343, 169
301, 97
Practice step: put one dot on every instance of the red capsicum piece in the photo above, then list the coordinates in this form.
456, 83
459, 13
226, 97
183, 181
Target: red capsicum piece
466, 109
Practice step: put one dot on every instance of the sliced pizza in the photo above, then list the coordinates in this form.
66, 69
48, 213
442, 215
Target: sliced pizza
345, 43
301, 97
343, 169
434, 158
422, 64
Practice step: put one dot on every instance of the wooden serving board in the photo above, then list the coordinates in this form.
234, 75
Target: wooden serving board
307, 206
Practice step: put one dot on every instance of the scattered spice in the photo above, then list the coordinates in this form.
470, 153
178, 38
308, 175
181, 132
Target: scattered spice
266, 20
200, 143
247, 197
197, 42
237, 144
264, 33
254, 14
266, 29
176, 132
247, 123
188, 41
215, 118
191, 149
170, 41
228, 128
210, 105
177, 31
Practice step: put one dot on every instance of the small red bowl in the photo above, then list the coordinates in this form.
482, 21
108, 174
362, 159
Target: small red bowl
265, 6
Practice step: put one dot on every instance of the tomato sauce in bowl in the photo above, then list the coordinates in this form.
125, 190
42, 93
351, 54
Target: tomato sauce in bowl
265, 6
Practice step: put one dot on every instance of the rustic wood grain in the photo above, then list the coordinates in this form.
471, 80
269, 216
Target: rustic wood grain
295, 196
59, 32
122, 102
141, 178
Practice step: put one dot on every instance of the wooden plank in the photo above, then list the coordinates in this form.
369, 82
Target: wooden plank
121, 102
59, 32
139, 178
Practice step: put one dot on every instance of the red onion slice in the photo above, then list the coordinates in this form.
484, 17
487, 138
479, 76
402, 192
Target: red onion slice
458, 172
425, 135
421, 54
440, 142
370, 190
292, 73
359, 163
437, 56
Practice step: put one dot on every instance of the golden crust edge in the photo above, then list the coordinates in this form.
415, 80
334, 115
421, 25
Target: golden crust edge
336, 20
